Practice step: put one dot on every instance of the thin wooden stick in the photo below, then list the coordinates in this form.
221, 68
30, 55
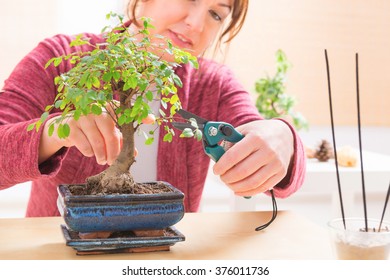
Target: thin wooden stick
360, 142
384, 208
334, 140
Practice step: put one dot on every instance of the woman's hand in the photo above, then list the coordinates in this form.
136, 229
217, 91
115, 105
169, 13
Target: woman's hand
260, 160
92, 135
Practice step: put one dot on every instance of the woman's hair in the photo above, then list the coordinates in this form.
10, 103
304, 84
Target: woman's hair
234, 24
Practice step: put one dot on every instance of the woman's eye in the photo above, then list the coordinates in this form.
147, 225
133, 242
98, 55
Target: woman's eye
215, 16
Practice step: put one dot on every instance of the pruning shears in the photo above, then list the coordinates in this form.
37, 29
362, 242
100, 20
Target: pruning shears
214, 134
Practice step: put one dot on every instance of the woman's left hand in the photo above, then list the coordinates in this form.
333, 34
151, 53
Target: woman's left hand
260, 160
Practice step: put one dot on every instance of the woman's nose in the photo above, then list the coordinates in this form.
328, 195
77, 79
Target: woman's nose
195, 19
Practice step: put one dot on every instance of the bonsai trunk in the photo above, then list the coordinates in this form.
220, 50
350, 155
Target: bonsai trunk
117, 178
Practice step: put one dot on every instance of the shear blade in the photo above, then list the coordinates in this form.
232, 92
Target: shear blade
182, 126
187, 115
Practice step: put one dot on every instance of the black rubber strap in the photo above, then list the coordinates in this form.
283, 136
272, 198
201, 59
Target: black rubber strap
274, 213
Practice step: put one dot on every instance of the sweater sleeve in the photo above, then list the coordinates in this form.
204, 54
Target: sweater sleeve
235, 104
296, 175
26, 93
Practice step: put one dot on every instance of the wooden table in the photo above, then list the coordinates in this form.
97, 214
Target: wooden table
209, 236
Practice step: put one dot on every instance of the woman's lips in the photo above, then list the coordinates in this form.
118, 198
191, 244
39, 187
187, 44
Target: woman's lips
180, 40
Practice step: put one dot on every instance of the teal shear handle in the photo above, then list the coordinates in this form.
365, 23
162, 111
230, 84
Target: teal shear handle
214, 133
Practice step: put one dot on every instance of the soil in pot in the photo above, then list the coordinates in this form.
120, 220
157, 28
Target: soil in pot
136, 188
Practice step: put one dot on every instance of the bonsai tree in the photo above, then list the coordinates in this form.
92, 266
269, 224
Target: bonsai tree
123, 66
272, 101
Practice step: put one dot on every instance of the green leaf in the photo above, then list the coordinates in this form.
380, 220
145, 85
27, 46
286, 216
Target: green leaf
48, 108
149, 141
97, 110
88, 83
51, 129
116, 75
193, 122
57, 61
78, 41
194, 62
164, 104
187, 133
198, 134
66, 129
137, 104
49, 62
107, 77
158, 81
168, 72
146, 24
143, 84
177, 80
131, 83
118, 111
122, 119
83, 79
174, 99
162, 113
96, 82
38, 125
144, 112
168, 137
149, 95
44, 116
30, 126
76, 115
57, 80
60, 131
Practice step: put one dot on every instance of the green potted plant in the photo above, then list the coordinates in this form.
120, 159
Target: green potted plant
272, 100
122, 66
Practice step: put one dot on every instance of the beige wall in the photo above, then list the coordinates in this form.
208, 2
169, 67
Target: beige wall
302, 28
26, 22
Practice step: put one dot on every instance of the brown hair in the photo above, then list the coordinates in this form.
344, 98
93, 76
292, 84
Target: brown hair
237, 18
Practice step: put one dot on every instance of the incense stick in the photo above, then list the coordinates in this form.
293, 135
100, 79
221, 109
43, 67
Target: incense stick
360, 141
384, 208
334, 139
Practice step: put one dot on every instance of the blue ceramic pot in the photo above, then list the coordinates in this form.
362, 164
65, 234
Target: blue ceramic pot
122, 212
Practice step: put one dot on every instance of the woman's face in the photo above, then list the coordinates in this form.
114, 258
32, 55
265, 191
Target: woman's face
191, 25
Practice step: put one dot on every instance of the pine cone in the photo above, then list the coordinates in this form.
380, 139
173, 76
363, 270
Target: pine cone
324, 151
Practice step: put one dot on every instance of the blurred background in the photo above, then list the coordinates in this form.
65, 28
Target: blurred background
303, 29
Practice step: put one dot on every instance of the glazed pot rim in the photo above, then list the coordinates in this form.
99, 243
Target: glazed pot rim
68, 197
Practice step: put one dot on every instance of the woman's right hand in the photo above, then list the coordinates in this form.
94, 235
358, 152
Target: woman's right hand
92, 135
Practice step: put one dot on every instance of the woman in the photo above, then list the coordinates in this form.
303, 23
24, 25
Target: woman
270, 155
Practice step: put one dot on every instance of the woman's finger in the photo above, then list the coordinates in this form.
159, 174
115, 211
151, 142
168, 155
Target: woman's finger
95, 138
111, 136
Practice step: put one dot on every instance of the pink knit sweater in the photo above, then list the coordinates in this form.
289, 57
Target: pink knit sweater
211, 92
